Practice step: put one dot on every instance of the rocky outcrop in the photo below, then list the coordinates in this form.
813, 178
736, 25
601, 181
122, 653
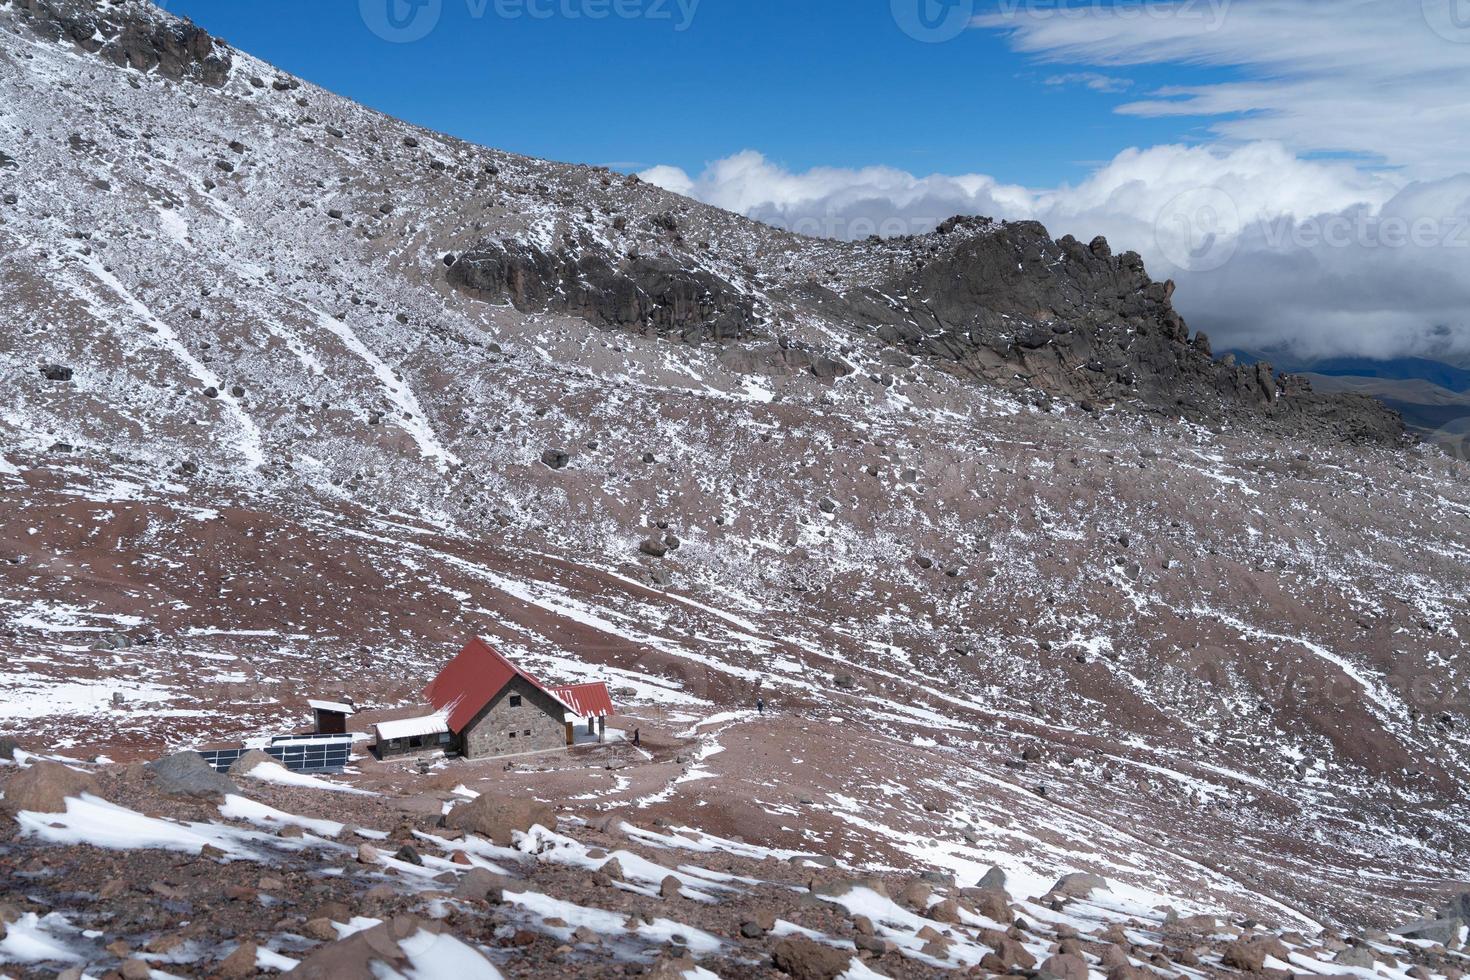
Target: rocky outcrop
1005, 303
131, 35
656, 295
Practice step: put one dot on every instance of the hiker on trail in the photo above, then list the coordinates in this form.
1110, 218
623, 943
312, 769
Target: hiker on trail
760, 705
636, 742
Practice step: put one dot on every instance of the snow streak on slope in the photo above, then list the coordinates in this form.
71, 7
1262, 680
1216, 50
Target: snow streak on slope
248, 440
410, 416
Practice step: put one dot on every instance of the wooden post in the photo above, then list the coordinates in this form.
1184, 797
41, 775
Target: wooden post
571, 735
602, 728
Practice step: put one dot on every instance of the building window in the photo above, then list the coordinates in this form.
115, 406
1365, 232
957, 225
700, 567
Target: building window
528, 733
444, 739
515, 700
512, 734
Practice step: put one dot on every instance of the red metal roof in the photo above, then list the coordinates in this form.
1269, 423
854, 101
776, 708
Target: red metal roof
586, 700
471, 680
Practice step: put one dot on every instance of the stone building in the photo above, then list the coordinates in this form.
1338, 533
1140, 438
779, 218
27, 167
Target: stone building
485, 706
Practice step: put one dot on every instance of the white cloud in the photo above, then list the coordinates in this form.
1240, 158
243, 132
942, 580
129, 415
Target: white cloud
1380, 77
1095, 81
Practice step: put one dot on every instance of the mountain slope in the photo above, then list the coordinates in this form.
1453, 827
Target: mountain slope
301, 395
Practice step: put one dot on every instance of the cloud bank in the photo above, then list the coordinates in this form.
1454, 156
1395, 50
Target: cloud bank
1269, 250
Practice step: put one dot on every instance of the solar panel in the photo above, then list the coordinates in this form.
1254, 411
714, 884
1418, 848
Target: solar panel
297, 753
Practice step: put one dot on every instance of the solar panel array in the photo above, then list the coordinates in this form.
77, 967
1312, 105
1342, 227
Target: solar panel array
322, 754
298, 753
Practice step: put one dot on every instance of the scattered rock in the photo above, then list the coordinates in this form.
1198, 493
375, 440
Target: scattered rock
56, 372
556, 459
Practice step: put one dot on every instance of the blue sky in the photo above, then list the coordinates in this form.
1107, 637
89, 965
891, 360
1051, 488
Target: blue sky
809, 83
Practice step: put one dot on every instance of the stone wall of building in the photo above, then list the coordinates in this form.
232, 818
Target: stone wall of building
538, 714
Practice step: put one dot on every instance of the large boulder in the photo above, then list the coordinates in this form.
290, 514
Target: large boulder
1355, 956
497, 818
1446, 931
486, 886
992, 903
8, 748
995, 878
1009, 954
45, 787
1079, 885
187, 774
1064, 966
1249, 954
378, 952
805, 959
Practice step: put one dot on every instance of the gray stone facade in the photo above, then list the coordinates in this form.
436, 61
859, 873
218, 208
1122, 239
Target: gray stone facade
536, 723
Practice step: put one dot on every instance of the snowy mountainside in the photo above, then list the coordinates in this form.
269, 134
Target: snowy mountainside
299, 395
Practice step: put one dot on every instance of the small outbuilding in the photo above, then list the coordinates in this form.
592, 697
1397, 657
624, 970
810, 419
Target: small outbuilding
486, 706
330, 717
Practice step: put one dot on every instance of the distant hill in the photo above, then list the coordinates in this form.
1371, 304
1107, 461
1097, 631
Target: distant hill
1438, 373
